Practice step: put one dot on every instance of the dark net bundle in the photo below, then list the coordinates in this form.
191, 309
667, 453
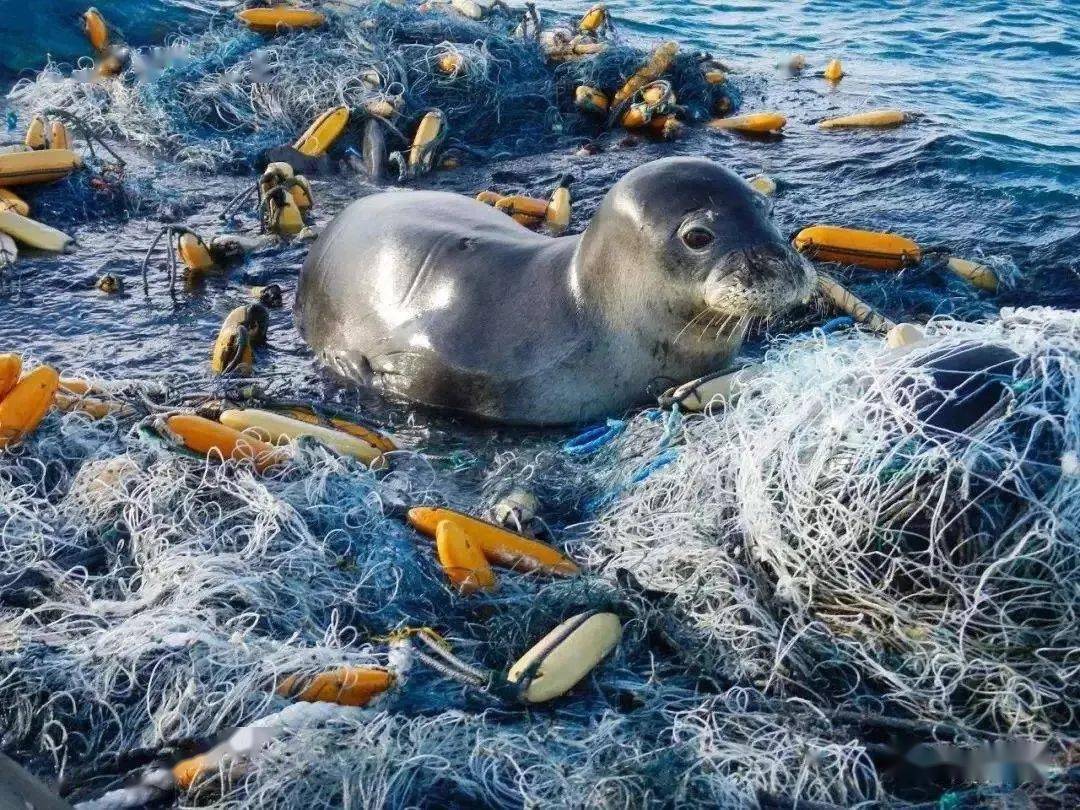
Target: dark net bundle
222, 97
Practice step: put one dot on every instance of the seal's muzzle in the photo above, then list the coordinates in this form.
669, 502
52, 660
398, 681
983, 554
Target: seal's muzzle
763, 280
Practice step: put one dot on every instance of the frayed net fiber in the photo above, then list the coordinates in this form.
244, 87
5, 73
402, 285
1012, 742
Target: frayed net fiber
807, 558
816, 539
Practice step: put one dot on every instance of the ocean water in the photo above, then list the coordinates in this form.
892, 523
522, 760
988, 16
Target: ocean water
991, 170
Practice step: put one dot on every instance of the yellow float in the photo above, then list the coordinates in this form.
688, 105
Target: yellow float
869, 249
280, 18
870, 118
45, 166
762, 123
276, 428
500, 546
463, 561
26, 404
323, 132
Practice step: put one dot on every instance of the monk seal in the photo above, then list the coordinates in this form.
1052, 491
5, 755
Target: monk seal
449, 303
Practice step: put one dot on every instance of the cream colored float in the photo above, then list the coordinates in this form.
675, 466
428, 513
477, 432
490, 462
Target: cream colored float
722, 389
276, 428
846, 301
33, 234
562, 658
870, 118
9, 251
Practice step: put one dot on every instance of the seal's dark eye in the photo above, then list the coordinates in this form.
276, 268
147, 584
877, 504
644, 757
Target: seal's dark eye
697, 238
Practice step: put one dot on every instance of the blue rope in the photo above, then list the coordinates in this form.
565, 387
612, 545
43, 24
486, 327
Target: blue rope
594, 438
836, 324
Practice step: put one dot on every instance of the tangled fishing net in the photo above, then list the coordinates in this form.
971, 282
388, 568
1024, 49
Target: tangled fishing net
799, 576
818, 539
218, 98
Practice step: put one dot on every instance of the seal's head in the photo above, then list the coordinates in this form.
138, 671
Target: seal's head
687, 240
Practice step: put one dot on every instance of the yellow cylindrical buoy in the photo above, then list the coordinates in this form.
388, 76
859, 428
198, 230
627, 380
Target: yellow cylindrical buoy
761, 123
279, 19
284, 215
232, 350
22, 410
96, 29
10, 201
10, 371
345, 686
32, 233
847, 301
381, 107
463, 561
36, 133
369, 435
593, 19
207, 438
591, 100
834, 71
660, 61
562, 658
58, 136
489, 197
663, 127
870, 118
518, 204
323, 132
978, 274
557, 215
869, 249
427, 134
45, 166
500, 546
300, 189
277, 428
194, 253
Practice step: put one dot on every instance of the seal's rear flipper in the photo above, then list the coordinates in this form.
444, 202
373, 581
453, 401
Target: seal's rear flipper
19, 790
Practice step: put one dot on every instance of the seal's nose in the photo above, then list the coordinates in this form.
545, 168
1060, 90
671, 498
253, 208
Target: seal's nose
768, 264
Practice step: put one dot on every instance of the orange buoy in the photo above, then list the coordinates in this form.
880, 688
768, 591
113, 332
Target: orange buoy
869, 249
280, 18
529, 206
22, 410
206, 437
96, 29
464, 562
834, 71
345, 686
10, 369
500, 546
